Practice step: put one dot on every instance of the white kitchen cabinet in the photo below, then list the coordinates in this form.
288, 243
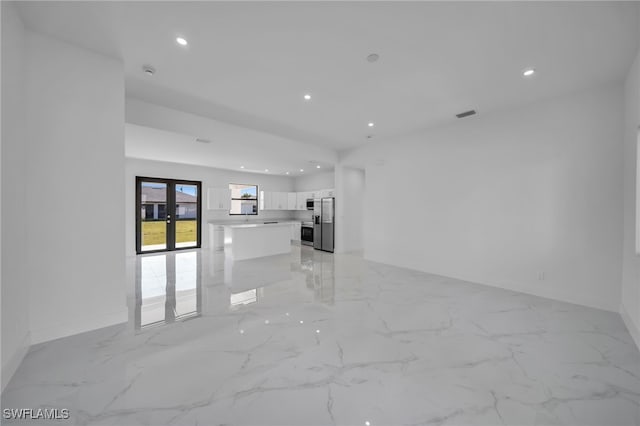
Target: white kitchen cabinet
267, 200
274, 200
301, 201
324, 193
219, 199
291, 201
283, 201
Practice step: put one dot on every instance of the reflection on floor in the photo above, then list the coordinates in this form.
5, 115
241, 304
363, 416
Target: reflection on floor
168, 288
317, 338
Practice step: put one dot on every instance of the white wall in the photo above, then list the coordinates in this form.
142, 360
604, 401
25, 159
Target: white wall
75, 189
352, 190
15, 294
504, 197
630, 302
314, 181
210, 178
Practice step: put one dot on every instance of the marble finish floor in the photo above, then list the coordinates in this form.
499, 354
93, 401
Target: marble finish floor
316, 339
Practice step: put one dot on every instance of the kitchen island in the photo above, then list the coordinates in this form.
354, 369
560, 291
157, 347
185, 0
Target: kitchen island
251, 240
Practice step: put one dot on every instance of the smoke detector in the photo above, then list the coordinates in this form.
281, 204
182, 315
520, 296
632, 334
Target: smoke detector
373, 57
148, 70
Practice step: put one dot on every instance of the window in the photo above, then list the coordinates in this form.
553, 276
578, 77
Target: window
244, 199
147, 212
162, 211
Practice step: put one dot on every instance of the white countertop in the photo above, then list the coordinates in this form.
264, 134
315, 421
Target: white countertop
253, 222
258, 225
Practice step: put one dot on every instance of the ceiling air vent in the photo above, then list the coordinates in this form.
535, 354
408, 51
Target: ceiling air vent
202, 140
466, 113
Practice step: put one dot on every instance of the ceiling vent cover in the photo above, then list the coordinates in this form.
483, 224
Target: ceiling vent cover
202, 140
466, 113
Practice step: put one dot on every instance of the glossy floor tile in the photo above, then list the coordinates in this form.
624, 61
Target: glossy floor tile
314, 338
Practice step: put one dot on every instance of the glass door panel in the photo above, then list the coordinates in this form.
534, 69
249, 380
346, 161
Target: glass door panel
153, 216
186, 215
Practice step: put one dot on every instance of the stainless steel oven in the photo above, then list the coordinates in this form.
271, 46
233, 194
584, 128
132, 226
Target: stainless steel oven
306, 233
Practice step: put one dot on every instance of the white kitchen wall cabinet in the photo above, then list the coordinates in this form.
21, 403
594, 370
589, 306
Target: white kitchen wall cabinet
274, 200
219, 199
301, 201
292, 199
267, 200
283, 202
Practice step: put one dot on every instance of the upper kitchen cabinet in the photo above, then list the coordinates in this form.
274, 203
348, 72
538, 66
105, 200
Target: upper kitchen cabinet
266, 200
292, 200
301, 201
219, 199
281, 201
273, 200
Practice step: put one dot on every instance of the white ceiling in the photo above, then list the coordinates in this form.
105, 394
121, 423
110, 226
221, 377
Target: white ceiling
159, 133
250, 63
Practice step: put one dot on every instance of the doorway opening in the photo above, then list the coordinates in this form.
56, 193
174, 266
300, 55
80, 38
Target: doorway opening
168, 214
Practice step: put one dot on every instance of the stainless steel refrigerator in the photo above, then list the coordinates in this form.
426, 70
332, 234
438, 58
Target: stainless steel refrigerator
323, 223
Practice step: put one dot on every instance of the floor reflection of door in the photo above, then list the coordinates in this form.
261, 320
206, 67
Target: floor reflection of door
167, 288
168, 214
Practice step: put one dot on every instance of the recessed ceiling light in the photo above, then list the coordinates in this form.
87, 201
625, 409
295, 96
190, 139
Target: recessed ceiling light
529, 72
242, 167
181, 41
373, 57
307, 97
318, 166
286, 173
371, 124
266, 170
302, 170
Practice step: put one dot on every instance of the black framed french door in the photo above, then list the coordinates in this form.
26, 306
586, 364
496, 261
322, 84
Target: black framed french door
168, 214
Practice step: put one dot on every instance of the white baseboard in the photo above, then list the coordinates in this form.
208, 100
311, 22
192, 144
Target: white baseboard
631, 326
80, 325
10, 366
